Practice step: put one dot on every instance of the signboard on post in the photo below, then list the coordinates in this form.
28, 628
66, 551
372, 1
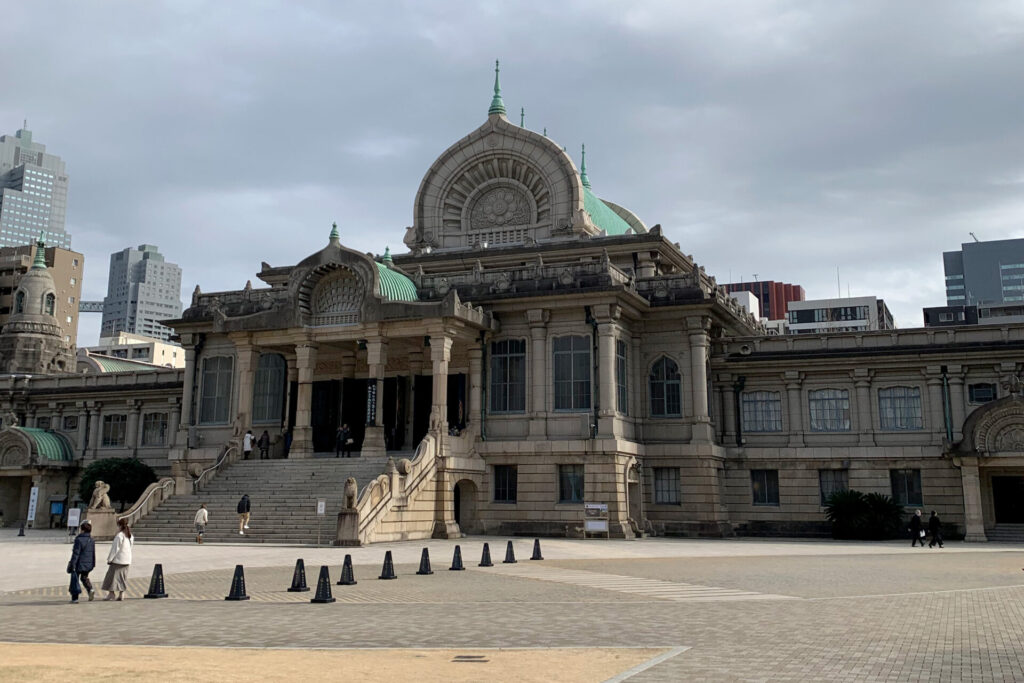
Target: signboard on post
321, 507
33, 500
74, 518
595, 519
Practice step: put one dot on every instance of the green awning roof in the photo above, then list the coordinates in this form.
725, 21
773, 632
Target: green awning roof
49, 445
396, 287
603, 216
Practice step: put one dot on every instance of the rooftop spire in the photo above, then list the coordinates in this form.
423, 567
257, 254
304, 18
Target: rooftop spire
497, 105
386, 258
522, 117
334, 238
545, 131
583, 167
40, 260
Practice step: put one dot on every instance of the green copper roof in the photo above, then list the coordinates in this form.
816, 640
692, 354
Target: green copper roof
602, 214
109, 364
497, 105
49, 445
396, 287
40, 261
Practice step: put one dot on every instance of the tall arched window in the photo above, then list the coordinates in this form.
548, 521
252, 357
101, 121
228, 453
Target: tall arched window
48, 303
665, 389
268, 389
19, 302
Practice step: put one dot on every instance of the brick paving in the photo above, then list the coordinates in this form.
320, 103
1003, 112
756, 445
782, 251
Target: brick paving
873, 615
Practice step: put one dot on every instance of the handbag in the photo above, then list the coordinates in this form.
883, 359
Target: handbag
74, 588
921, 532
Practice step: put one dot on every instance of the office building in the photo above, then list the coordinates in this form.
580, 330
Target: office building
773, 296
852, 314
33, 193
142, 290
65, 267
985, 273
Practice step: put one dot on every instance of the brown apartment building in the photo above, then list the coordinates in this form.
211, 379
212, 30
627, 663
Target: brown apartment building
65, 266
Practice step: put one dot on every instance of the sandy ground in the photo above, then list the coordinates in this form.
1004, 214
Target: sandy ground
20, 662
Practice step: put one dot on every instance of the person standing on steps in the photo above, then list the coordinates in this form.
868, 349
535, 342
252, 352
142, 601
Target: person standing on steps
343, 442
916, 529
83, 560
247, 444
201, 520
118, 561
264, 444
243, 514
935, 530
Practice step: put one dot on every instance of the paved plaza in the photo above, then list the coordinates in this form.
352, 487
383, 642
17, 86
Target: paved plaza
647, 610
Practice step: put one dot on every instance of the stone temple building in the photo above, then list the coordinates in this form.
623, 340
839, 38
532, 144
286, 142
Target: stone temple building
539, 347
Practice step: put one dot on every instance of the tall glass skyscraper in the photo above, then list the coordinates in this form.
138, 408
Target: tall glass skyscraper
33, 193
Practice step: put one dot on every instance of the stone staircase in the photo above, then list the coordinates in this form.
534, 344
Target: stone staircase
282, 493
1007, 533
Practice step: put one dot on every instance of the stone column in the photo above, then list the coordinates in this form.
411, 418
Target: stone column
440, 355
728, 396
83, 423
862, 385
376, 362
538, 318
292, 376
973, 517
936, 409
606, 378
794, 386
131, 435
302, 435
956, 400
248, 360
476, 357
95, 428
698, 333
173, 418
188, 388
415, 370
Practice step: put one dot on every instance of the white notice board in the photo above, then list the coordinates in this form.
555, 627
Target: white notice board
74, 518
321, 507
595, 518
33, 499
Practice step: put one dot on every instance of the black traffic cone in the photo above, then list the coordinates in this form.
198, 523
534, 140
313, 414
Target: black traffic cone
347, 577
388, 571
21, 531
238, 585
424, 564
156, 583
536, 550
485, 559
510, 554
323, 586
299, 578
457, 561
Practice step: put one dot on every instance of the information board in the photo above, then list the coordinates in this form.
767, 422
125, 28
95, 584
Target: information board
74, 518
595, 518
33, 500
371, 402
321, 507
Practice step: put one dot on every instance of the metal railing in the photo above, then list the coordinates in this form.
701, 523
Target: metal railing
214, 468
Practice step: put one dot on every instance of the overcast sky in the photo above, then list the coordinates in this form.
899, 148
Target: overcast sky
777, 138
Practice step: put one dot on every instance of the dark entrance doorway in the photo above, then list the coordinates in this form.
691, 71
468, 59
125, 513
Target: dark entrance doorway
457, 402
1008, 496
465, 505
353, 409
422, 395
394, 412
324, 414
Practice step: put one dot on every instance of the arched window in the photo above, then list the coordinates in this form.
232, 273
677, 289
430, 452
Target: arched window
268, 389
665, 389
48, 303
19, 302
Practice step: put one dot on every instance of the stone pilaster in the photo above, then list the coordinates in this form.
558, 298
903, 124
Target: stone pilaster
973, 517
248, 360
131, 434
537, 318
795, 412
936, 409
956, 400
440, 356
302, 436
476, 356
699, 343
862, 387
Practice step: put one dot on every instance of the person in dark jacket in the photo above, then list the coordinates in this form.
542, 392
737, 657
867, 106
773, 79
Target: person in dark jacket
935, 530
916, 529
264, 444
243, 514
83, 561
342, 442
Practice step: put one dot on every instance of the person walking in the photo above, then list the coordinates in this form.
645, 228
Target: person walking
916, 529
243, 514
247, 444
201, 520
83, 560
264, 444
935, 530
118, 561
343, 442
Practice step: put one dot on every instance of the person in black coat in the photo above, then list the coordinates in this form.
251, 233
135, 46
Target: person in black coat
935, 530
342, 447
243, 514
916, 529
83, 561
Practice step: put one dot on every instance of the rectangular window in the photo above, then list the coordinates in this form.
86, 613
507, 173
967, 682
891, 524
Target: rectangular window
508, 376
572, 373
570, 483
765, 486
43, 422
981, 393
70, 423
114, 429
899, 408
621, 382
505, 483
906, 487
830, 410
832, 481
761, 411
154, 429
666, 485
214, 402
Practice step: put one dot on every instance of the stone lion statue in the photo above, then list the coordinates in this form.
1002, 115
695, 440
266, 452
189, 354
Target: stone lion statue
100, 500
350, 493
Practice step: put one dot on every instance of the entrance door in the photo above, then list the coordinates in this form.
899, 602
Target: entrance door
324, 414
457, 406
423, 390
1008, 496
465, 505
353, 409
394, 413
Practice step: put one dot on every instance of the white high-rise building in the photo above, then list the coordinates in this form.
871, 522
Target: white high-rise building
142, 289
33, 193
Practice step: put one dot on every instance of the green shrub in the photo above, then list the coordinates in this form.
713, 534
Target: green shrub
884, 516
869, 517
127, 478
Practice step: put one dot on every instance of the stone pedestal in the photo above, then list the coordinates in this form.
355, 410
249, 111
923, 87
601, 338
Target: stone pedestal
348, 528
104, 523
373, 442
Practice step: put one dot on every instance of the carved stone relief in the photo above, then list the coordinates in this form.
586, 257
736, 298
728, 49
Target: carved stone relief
339, 295
499, 207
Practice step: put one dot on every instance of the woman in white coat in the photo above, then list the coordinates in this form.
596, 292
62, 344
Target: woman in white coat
118, 561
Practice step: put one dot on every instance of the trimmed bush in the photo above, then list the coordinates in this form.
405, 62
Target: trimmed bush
858, 516
127, 478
